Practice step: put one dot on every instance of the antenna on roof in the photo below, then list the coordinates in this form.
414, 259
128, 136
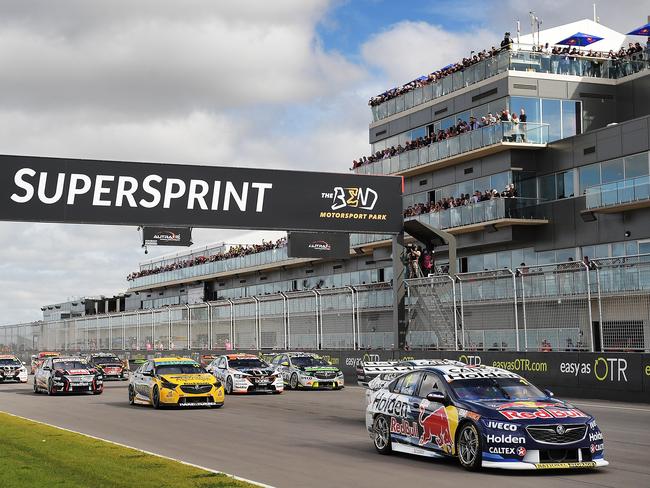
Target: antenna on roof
596, 18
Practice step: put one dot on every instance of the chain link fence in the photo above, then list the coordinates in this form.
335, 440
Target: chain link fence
602, 305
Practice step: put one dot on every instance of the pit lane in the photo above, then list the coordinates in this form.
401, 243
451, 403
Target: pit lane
314, 439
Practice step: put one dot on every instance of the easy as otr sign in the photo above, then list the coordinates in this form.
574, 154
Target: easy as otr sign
129, 193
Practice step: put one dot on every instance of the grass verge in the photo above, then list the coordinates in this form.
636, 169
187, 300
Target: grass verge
36, 455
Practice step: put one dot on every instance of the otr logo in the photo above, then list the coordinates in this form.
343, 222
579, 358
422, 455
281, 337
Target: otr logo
471, 360
609, 368
352, 197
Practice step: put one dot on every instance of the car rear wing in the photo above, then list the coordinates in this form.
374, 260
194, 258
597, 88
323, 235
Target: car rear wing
369, 370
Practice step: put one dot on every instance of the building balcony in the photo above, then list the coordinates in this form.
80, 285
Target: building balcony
489, 215
619, 196
518, 61
265, 260
478, 143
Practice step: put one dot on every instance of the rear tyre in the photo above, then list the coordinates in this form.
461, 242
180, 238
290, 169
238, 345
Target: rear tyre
381, 434
293, 381
468, 447
155, 397
131, 395
229, 386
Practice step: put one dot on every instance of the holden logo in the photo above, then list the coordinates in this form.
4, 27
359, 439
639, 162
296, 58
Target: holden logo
560, 430
196, 387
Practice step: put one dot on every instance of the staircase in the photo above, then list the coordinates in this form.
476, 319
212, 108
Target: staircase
431, 308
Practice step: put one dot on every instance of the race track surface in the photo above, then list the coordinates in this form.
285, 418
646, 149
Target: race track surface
315, 439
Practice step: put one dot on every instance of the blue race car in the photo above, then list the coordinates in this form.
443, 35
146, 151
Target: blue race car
486, 417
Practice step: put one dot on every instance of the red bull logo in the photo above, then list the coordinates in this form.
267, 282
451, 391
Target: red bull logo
526, 404
544, 413
435, 427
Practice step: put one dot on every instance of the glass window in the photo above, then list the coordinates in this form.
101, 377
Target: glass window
570, 113
500, 181
636, 165
564, 184
551, 115
409, 385
530, 106
612, 171
419, 132
618, 249
504, 259
482, 184
563, 255
490, 261
589, 176
466, 187
430, 383
475, 263
547, 187
601, 251
546, 257
525, 183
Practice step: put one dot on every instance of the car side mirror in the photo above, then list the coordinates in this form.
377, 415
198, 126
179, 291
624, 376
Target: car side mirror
436, 396
549, 393
284, 363
47, 368
147, 373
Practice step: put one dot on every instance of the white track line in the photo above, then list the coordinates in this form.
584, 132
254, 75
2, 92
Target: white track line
238, 478
604, 405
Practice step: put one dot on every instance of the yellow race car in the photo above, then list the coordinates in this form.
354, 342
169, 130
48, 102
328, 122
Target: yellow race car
175, 381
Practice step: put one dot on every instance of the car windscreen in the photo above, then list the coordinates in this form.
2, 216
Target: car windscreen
308, 361
68, 365
179, 368
247, 363
9, 362
496, 389
106, 360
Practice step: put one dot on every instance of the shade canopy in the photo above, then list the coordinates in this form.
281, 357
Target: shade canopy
579, 39
644, 30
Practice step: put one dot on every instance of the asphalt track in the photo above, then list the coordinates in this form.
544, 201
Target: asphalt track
315, 439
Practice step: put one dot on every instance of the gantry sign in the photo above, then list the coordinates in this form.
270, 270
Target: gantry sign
128, 193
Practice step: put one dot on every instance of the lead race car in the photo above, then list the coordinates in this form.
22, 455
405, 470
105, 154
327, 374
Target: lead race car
246, 373
486, 417
110, 365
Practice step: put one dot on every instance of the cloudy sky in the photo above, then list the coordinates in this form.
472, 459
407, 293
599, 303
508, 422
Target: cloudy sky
276, 84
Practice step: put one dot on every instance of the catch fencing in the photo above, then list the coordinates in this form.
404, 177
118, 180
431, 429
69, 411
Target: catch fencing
602, 305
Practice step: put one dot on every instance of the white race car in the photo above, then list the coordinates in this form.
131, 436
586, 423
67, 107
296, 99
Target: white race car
12, 369
245, 373
308, 370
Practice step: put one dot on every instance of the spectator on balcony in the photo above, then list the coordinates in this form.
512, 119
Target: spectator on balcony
546, 346
506, 43
427, 262
523, 118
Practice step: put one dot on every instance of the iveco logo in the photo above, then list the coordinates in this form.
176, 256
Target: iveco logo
560, 429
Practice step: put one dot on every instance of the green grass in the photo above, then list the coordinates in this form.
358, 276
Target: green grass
36, 455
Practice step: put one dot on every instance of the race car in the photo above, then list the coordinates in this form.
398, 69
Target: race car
307, 370
67, 375
174, 381
486, 417
246, 373
37, 359
12, 369
109, 364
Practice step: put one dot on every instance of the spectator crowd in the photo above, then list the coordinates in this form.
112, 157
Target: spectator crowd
463, 200
515, 133
633, 52
235, 251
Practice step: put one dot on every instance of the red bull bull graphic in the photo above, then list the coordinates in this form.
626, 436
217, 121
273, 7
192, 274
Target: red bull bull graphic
438, 427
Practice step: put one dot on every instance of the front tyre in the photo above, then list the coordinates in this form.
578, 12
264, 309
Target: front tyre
155, 397
468, 447
131, 395
229, 385
36, 390
51, 389
293, 381
381, 434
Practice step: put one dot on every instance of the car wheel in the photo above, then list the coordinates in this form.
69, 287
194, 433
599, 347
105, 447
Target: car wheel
293, 381
98, 392
228, 385
36, 390
468, 447
51, 390
155, 397
381, 434
131, 395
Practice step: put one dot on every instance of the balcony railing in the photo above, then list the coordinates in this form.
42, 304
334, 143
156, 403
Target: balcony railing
233, 264
618, 193
482, 212
510, 61
502, 132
